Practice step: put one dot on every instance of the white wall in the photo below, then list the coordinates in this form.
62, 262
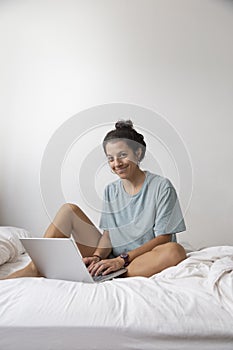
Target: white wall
59, 58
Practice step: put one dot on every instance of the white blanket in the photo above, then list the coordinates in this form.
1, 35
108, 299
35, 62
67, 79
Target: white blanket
10, 245
208, 271
189, 306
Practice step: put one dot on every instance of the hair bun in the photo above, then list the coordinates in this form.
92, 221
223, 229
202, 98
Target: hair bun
141, 137
123, 124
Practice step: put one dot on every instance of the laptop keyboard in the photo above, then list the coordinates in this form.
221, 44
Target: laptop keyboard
109, 276
98, 278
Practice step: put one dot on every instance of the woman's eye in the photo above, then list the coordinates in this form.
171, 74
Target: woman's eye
123, 155
120, 156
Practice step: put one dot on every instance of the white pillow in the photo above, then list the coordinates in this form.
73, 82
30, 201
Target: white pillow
10, 245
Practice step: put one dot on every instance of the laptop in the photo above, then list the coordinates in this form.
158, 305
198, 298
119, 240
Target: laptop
60, 258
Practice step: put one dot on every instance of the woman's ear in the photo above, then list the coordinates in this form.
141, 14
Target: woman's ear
139, 153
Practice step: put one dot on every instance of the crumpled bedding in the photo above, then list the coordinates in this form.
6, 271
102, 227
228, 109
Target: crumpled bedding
188, 306
10, 245
209, 270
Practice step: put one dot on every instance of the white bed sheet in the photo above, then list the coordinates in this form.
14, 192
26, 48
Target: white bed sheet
189, 306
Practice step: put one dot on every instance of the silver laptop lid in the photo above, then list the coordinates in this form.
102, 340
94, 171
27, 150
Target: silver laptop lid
57, 258
60, 258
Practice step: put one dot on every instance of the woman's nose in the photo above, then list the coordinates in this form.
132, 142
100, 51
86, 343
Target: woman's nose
117, 161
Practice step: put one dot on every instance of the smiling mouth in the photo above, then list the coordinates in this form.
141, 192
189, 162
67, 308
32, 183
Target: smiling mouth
121, 170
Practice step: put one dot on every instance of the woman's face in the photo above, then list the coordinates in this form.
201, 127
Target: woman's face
121, 158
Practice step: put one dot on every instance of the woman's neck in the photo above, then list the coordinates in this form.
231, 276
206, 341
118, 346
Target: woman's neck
133, 186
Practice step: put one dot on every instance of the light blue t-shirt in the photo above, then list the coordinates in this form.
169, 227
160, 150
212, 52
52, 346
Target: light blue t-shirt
133, 220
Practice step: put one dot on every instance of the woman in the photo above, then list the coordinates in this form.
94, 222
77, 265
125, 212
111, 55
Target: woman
140, 218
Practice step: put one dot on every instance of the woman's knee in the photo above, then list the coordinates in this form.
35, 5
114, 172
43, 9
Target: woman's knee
175, 252
72, 210
70, 207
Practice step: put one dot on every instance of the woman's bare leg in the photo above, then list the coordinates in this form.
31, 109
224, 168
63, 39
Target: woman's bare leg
70, 219
158, 259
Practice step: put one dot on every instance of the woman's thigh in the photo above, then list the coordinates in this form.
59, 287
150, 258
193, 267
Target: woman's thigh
156, 260
71, 220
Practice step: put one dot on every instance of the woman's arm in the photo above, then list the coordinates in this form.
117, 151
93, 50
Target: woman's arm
104, 246
102, 251
148, 246
110, 265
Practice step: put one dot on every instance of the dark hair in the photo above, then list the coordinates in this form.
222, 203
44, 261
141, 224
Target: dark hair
124, 130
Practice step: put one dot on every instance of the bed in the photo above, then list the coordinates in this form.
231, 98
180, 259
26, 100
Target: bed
188, 306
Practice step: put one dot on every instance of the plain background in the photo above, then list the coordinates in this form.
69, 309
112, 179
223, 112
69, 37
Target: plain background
174, 57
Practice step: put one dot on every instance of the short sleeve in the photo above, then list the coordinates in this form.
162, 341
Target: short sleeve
169, 218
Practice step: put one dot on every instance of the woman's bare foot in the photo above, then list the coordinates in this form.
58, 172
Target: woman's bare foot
28, 271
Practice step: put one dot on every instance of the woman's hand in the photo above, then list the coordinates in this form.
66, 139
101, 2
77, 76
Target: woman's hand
91, 261
105, 266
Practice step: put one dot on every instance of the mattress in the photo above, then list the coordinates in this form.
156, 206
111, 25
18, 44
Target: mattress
188, 306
